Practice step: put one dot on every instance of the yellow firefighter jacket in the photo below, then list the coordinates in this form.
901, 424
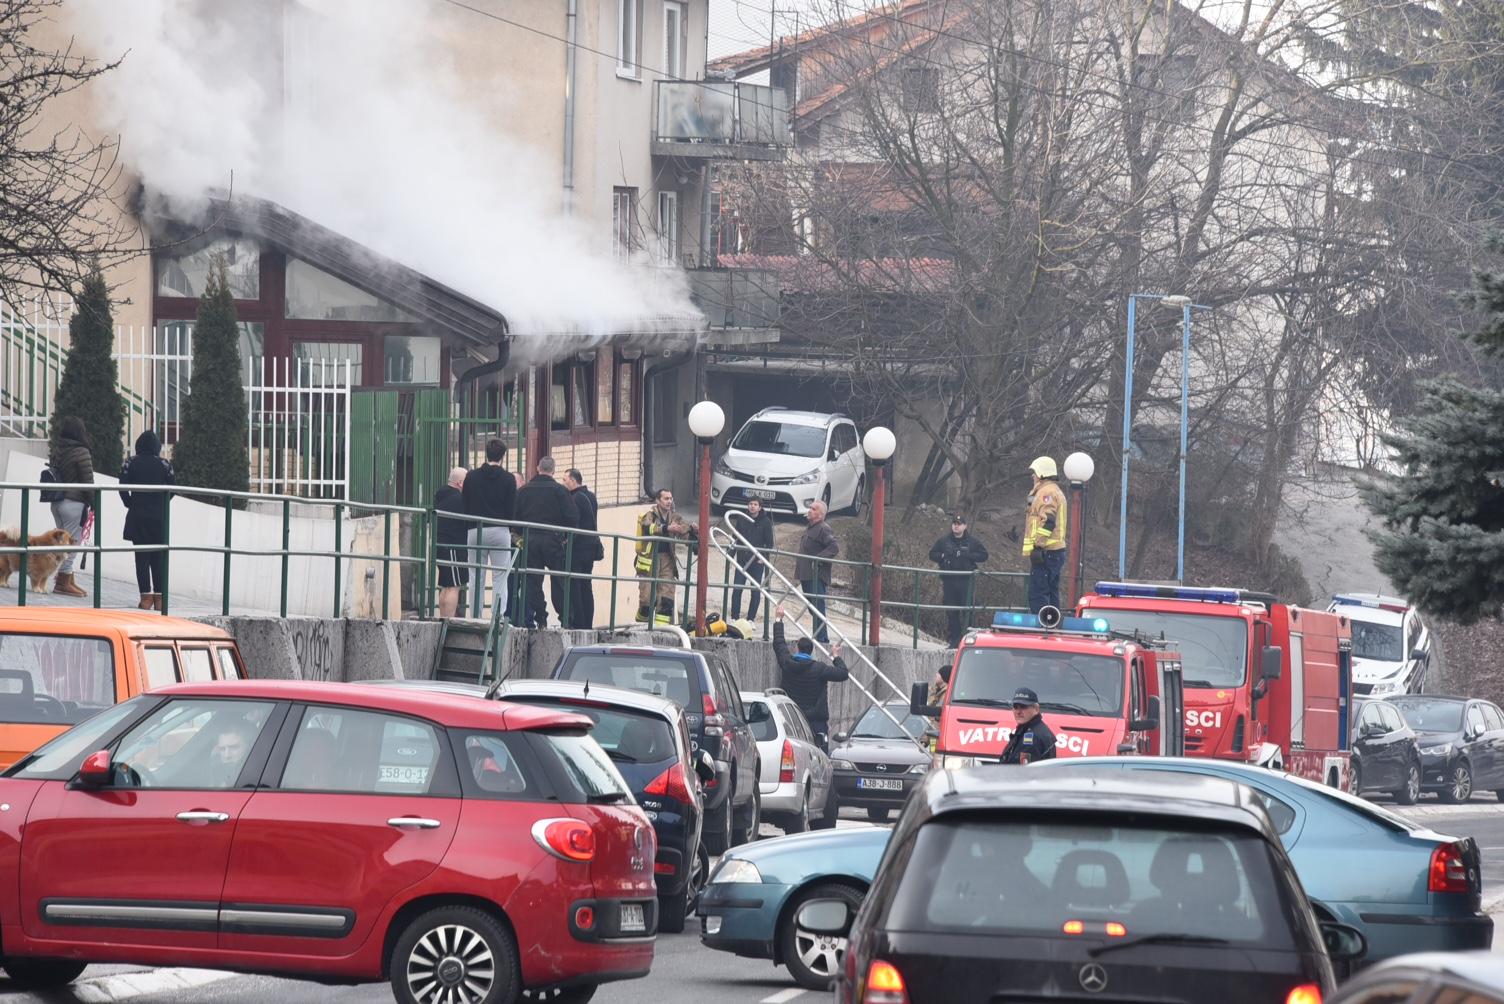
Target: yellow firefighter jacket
1039, 530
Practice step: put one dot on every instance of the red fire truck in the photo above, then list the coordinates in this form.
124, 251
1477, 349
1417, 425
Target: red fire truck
1265, 682
1101, 693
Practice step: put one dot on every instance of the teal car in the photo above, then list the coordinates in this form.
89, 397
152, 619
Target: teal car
1407, 888
750, 905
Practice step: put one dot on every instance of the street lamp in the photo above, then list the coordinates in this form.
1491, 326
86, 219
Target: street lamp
879, 444
706, 420
1186, 306
1078, 467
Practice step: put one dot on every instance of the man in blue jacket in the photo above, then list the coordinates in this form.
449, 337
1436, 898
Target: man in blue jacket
805, 679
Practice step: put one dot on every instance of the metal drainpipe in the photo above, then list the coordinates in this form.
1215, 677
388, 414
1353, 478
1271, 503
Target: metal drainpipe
647, 419
466, 382
570, 22
708, 256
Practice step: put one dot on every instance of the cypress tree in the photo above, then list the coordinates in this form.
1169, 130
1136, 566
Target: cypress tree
211, 450
88, 388
1442, 543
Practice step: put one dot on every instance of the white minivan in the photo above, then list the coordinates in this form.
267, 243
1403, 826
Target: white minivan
788, 460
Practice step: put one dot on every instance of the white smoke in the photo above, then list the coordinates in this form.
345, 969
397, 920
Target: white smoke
350, 112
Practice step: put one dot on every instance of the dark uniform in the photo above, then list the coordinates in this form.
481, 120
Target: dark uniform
1031, 741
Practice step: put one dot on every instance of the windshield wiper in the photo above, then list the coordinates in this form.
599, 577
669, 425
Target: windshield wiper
984, 702
1203, 684
1061, 706
1158, 939
608, 798
869, 735
623, 757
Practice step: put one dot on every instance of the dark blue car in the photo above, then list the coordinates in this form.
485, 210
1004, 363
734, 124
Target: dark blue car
1407, 888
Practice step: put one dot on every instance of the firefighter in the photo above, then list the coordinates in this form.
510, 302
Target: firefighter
1032, 739
1044, 536
657, 530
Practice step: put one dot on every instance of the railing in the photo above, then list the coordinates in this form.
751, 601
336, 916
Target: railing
724, 114
418, 532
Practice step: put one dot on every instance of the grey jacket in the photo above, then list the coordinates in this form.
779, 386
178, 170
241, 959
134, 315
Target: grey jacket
819, 541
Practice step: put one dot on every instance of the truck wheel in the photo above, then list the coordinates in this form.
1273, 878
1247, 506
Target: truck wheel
1459, 785
42, 974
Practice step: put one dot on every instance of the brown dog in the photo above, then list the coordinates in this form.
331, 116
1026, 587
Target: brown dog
39, 567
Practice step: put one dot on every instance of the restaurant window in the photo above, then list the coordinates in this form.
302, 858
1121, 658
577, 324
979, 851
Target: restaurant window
580, 398
626, 403
186, 275
605, 399
315, 295
413, 359
173, 348
558, 397
326, 359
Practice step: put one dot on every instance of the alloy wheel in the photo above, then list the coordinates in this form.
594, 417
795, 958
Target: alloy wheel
451, 964
1462, 783
820, 953
1412, 784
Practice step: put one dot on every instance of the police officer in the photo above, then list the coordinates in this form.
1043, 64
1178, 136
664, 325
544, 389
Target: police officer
1032, 739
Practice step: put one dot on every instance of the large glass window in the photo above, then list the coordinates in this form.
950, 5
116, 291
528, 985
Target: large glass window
315, 295
1066, 682
191, 743
1214, 650
605, 398
187, 275
413, 359
172, 370
328, 359
626, 391
558, 397
580, 398
54, 679
361, 752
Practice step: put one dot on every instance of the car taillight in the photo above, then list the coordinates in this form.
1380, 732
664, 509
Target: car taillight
1448, 869
1306, 993
715, 722
567, 839
670, 783
786, 765
884, 984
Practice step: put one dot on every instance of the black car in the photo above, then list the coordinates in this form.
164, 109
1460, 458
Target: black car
701, 684
648, 739
1386, 752
1461, 744
1011, 884
878, 764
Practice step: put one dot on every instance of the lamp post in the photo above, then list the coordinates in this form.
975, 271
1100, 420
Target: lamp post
1078, 470
878, 444
706, 420
1186, 306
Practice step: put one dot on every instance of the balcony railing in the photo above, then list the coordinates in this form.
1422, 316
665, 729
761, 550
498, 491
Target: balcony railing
708, 118
736, 297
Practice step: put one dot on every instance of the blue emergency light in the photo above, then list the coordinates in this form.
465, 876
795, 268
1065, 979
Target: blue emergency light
1030, 622
1372, 603
1144, 591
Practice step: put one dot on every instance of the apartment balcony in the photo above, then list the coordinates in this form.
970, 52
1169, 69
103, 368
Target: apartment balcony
740, 304
723, 120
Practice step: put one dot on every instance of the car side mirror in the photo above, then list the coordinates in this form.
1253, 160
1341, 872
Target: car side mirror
840, 737
821, 739
1344, 943
96, 770
1271, 662
1149, 722
826, 916
704, 766
919, 701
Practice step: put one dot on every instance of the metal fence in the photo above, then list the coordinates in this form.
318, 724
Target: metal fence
298, 427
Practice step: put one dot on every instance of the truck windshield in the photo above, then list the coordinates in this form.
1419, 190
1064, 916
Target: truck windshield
1213, 650
1066, 682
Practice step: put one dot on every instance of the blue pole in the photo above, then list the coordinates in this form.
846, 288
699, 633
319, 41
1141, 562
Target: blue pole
1127, 423
1185, 398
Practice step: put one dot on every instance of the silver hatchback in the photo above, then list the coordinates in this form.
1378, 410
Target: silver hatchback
795, 776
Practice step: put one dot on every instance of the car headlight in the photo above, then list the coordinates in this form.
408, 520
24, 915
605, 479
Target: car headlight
1445, 749
952, 762
842, 765
721, 468
736, 870
919, 768
808, 477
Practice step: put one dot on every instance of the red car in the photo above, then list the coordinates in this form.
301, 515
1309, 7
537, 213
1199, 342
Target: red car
466, 850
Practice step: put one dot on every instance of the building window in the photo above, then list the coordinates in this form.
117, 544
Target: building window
558, 397
674, 34
665, 395
626, 389
412, 359
605, 392
628, 14
187, 275
172, 344
921, 89
580, 397
315, 295
668, 227
325, 361
623, 207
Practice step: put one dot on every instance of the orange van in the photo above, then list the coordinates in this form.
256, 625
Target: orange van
61, 665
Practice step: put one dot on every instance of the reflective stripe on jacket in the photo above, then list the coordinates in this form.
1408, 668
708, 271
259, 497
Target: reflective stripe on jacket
1047, 501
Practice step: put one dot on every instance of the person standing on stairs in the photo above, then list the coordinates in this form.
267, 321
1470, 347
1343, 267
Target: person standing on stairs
146, 515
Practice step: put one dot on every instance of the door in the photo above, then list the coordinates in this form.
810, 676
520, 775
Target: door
1476, 745
142, 862
849, 464
358, 805
818, 763
738, 729
1493, 722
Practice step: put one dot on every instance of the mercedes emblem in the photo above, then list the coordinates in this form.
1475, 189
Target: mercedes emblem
1093, 978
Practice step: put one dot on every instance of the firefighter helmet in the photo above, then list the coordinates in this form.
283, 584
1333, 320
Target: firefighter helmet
1044, 467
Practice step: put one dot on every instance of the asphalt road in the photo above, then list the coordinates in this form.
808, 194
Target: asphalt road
683, 970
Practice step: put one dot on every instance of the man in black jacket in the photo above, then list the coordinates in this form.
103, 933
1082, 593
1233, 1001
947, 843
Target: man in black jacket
586, 551
805, 679
749, 567
956, 553
490, 491
546, 502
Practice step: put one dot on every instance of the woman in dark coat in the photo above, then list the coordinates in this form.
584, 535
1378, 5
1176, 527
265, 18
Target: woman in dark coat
146, 515
749, 563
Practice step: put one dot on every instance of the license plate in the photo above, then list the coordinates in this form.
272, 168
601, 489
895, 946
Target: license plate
759, 493
404, 775
633, 920
879, 784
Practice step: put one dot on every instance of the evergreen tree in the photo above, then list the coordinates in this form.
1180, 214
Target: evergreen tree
211, 450
1443, 538
88, 388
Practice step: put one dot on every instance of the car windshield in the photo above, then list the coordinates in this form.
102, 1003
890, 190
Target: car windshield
982, 874
1213, 650
760, 717
1066, 682
662, 677
1379, 642
627, 735
785, 440
1424, 715
876, 725
50, 679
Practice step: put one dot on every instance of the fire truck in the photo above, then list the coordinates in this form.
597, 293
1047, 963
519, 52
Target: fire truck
1100, 692
1266, 683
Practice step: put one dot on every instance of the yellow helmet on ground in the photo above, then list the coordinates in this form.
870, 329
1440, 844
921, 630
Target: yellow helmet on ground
1044, 467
